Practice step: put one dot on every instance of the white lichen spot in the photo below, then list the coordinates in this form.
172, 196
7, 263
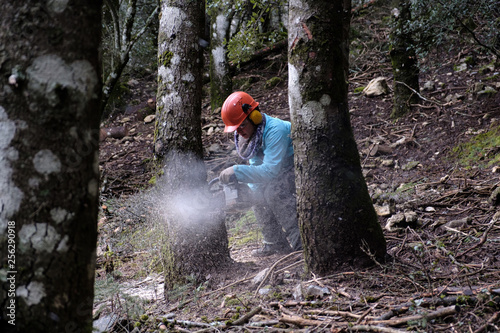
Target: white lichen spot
176, 59
7, 129
73, 132
222, 24
171, 99
93, 187
63, 244
294, 95
11, 154
219, 59
46, 162
165, 75
57, 6
313, 114
39, 236
325, 100
60, 215
13, 80
10, 195
172, 19
49, 74
32, 293
40, 273
34, 182
188, 77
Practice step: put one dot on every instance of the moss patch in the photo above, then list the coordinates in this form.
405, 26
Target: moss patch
244, 230
165, 58
482, 150
273, 82
359, 90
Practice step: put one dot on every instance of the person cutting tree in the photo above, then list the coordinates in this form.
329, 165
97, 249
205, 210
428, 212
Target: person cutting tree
265, 142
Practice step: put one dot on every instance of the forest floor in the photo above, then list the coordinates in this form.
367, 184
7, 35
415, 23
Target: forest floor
439, 211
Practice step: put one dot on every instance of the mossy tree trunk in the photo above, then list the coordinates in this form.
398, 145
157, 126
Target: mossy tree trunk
404, 62
49, 177
221, 84
196, 238
335, 212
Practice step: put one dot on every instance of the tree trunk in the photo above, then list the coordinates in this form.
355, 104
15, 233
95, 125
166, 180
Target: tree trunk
404, 62
196, 234
336, 215
221, 84
49, 176
124, 42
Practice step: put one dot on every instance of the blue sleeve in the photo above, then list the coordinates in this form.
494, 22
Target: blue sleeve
278, 155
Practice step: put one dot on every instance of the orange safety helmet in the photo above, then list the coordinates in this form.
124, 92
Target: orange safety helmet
236, 108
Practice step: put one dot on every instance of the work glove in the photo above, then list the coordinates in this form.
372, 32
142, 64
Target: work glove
227, 175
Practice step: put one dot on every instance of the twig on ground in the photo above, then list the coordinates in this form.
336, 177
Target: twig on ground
247, 316
371, 328
450, 310
366, 313
299, 321
483, 239
339, 313
422, 97
272, 268
290, 266
490, 321
180, 306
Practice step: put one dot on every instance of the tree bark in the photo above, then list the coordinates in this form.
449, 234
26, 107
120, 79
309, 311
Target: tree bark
196, 234
404, 62
221, 84
49, 176
336, 215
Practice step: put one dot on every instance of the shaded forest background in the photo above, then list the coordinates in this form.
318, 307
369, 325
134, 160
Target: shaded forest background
432, 175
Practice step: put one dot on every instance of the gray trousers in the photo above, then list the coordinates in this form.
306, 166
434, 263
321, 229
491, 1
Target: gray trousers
276, 214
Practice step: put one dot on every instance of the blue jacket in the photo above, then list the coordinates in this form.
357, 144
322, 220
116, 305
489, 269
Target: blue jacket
273, 158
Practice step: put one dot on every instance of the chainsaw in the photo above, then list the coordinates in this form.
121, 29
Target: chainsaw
237, 196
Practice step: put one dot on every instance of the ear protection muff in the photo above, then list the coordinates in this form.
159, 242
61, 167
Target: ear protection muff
255, 116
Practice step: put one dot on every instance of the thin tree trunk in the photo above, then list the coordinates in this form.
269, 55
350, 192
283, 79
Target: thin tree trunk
221, 84
336, 215
123, 47
404, 62
49, 176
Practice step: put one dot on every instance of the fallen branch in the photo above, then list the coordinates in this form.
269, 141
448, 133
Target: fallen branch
419, 95
430, 315
339, 313
297, 303
483, 239
371, 328
299, 321
247, 316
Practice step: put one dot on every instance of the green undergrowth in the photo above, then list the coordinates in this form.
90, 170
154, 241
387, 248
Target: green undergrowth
242, 229
109, 290
482, 150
